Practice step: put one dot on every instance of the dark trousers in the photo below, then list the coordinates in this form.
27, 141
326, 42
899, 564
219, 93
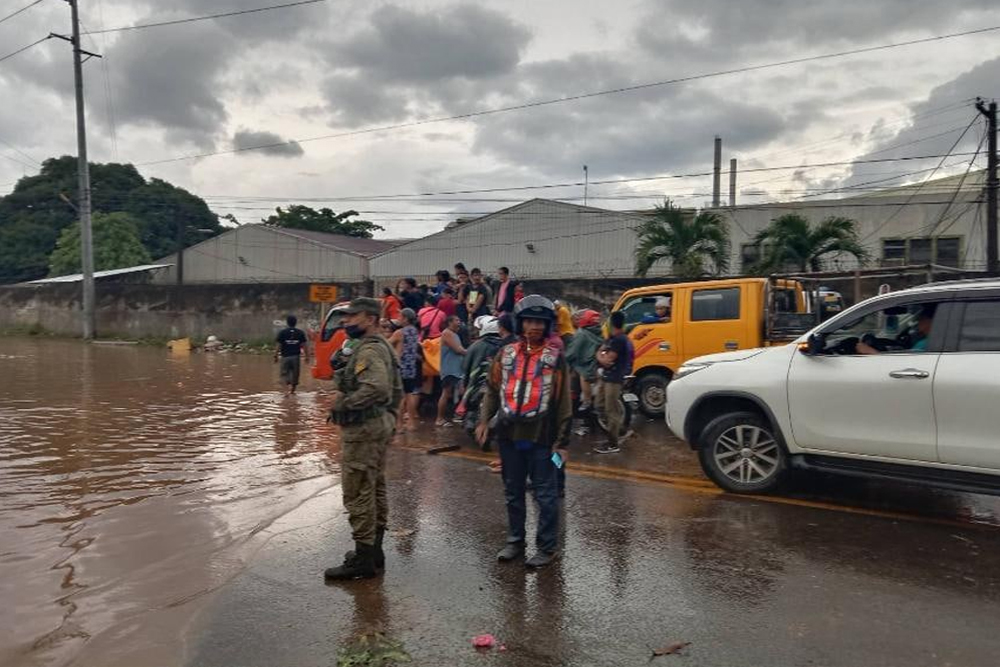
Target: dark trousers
518, 466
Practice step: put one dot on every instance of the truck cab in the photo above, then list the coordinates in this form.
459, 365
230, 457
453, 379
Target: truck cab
706, 317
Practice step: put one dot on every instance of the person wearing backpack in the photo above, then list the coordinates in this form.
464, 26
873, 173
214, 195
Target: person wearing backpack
529, 409
368, 392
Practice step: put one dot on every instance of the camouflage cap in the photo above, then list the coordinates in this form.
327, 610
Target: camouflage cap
364, 304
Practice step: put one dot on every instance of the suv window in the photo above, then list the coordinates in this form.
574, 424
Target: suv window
715, 304
897, 328
980, 327
639, 307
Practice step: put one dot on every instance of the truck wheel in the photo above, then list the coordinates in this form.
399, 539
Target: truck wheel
740, 452
652, 391
626, 419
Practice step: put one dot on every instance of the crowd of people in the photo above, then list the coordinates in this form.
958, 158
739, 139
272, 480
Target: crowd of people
513, 363
474, 318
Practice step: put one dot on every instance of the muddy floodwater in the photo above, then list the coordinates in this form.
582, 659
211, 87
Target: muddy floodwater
133, 482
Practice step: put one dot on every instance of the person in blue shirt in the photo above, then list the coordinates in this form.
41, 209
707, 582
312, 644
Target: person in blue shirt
925, 320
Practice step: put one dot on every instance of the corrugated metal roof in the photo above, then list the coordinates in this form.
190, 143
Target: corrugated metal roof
77, 277
360, 246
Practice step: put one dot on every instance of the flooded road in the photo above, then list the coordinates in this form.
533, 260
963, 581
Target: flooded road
178, 510
133, 481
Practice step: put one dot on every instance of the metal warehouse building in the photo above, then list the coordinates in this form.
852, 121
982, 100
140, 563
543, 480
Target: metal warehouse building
938, 222
260, 254
537, 239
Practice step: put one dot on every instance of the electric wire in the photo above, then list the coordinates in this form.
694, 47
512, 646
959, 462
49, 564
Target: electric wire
24, 48
582, 96
22, 9
194, 19
916, 190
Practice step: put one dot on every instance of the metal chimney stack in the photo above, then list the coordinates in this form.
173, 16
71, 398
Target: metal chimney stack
717, 175
732, 183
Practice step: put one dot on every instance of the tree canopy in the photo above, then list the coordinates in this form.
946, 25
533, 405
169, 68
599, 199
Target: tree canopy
791, 242
33, 216
695, 245
116, 245
298, 216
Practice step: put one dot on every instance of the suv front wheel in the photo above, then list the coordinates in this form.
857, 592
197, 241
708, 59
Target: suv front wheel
739, 452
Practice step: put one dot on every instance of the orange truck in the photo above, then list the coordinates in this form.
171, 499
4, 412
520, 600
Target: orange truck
331, 337
704, 318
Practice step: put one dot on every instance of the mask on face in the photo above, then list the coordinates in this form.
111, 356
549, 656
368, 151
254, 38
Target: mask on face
354, 330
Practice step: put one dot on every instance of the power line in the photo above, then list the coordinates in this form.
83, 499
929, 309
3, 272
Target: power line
916, 190
24, 48
18, 150
583, 96
958, 189
571, 184
193, 19
22, 9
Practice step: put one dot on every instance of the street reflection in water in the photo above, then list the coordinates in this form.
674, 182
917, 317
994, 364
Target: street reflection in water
133, 480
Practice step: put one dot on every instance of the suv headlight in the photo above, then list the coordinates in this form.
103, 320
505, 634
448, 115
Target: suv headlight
688, 369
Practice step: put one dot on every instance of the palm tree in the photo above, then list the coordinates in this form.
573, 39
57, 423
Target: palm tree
696, 246
791, 241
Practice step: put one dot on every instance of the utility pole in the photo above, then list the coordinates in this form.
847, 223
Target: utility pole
586, 184
992, 184
83, 173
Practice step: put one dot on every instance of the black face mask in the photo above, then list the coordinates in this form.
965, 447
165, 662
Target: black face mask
354, 330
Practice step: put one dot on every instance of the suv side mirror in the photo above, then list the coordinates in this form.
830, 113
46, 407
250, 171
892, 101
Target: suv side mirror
813, 345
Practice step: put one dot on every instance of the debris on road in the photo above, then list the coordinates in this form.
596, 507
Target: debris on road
672, 649
484, 641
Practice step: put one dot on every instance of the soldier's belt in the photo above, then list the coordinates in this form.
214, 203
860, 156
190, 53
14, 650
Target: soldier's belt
352, 417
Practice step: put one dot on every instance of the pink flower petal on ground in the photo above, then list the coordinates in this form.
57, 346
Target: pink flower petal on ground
484, 641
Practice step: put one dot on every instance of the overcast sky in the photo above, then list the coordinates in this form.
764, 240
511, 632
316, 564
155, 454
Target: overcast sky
340, 66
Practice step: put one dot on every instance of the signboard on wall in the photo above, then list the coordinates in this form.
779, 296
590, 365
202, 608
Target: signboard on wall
323, 293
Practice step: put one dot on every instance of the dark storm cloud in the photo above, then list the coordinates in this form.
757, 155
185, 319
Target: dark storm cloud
409, 46
170, 79
708, 31
271, 144
935, 127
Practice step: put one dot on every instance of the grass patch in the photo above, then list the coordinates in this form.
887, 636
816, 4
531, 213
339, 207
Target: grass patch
372, 650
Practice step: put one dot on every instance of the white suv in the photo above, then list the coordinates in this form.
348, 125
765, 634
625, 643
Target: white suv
903, 386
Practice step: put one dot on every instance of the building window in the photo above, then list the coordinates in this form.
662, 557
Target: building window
943, 250
948, 251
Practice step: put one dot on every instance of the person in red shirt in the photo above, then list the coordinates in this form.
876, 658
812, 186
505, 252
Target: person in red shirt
447, 302
391, 305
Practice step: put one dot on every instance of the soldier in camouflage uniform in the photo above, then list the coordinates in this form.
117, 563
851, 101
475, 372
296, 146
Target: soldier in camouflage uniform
369, 391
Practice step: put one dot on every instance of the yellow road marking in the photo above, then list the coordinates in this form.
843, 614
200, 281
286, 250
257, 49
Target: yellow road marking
699, 485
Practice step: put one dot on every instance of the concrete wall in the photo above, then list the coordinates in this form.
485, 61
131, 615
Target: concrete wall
232, 312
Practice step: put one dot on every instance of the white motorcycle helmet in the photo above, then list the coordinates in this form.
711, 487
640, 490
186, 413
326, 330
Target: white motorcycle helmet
487, 325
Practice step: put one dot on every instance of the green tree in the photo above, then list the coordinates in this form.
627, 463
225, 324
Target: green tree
791, 242
696, 246
34, 215
323, 220
116, 245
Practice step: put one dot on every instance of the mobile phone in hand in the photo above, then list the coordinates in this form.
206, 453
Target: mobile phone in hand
557, 460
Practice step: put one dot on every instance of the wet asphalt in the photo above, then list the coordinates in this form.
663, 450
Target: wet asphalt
831, 573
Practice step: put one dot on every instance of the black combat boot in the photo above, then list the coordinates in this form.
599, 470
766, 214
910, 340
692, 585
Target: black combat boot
359, 564
379, 554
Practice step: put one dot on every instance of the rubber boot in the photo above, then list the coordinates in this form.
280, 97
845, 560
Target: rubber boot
360, 565
379, 556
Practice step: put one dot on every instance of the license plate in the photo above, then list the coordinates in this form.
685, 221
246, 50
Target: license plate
630, 398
